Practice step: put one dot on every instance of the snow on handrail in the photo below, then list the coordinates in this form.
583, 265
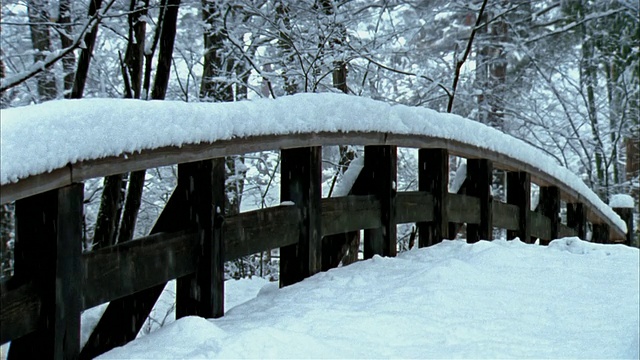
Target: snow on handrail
78, 134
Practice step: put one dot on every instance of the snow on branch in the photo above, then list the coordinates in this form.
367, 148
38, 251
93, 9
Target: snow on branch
39, 66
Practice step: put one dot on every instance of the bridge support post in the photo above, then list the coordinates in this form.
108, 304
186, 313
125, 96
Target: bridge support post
519, 193
626, 214
124, 317
48, 252
480, 178
577, 219
380, 167
549, 206
202, 293
433, 177
301, 176
600, 233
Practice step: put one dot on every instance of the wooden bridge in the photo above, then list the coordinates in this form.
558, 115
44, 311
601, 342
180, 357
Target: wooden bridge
54, 281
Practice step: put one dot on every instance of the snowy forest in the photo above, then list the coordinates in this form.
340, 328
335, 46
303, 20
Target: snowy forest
562, 75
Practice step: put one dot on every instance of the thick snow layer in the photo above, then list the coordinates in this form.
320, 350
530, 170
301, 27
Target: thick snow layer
164, 312
500, 299
41, 138
621, 201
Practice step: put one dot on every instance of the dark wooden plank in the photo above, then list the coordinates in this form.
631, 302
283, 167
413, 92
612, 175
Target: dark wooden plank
505, 216
350, 213
577, 219
123, 269
301, 178
413, 206
380, 173
124, 317
126, 268
202, 293
20, 308
480, 178
463, 209
34, 185
261, 230
193, 152
549, 206
48, 249
565, 231
600, 233
343, 247
433, 178
519, 194
540, 225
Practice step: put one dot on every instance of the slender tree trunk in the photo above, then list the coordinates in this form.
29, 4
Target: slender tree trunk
215, 65
588, 80
167, 41
41, 41
134, 64
291, 85
66, 40
84, 61
109, 212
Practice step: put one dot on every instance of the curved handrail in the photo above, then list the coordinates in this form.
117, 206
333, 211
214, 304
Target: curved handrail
110, 136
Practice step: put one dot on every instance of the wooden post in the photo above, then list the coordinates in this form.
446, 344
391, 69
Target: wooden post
519, 193
577, 219
600, 233
124, 317
549, 206
380, 167
301, 176
627, 216
480, 178
48, 252
202, 293
433, 177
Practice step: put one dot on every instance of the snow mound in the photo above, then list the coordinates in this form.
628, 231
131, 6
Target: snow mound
180, 339
578, 246
498, 299
621, 201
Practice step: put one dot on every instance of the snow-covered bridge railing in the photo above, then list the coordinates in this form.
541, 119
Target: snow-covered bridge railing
48, 150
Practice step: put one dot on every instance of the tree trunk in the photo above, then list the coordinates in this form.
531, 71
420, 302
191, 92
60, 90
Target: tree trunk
215, 66
109, 212
66, 41
84, 60
134, 64
41, 41
291, 85
588, 81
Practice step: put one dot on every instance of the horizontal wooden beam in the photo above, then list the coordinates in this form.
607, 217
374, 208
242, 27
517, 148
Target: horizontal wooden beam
463, 209
349, 213
145, 159
117, 271
505, 216
414, 206
19, 310
565, 231
260, 230
540, 225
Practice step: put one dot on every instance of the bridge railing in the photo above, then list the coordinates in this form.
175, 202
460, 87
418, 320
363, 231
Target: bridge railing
54, 281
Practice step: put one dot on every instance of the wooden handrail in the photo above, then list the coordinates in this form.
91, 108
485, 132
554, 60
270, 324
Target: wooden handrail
84, 170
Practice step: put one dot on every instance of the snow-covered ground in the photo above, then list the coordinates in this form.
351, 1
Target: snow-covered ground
500, 299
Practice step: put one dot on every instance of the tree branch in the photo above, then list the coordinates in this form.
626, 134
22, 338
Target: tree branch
54, 57
467, 51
